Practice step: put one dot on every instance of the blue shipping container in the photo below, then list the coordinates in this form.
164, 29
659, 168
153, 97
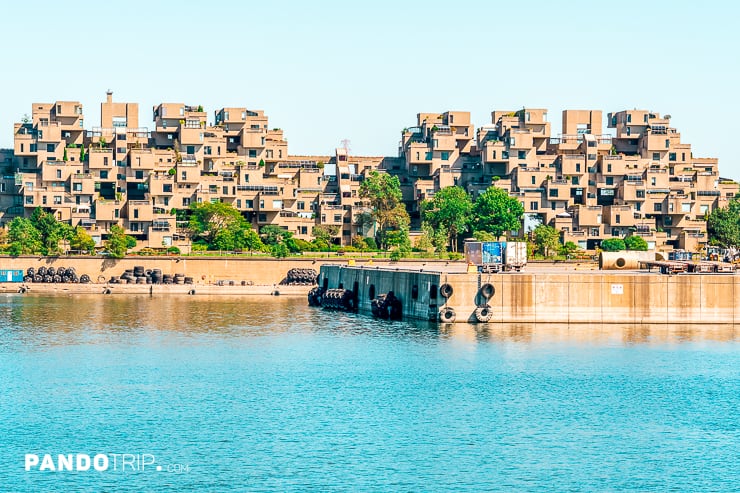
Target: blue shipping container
11, 275
493, 252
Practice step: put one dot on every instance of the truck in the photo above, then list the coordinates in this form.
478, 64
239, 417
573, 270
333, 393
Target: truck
496, 256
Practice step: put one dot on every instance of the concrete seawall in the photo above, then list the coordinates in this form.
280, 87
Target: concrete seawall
550, 297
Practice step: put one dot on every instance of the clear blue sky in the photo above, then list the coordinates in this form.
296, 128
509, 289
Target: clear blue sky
326, 71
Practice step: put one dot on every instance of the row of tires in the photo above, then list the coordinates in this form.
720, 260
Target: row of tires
140, 275
333, 299
482, 314
54, 275
387, 307
300, 277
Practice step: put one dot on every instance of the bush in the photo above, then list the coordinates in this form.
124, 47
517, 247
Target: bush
396, 255
371, 244
636, 243
613, 245
173, 249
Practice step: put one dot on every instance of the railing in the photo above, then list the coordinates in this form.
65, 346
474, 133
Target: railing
574, 156
610, 157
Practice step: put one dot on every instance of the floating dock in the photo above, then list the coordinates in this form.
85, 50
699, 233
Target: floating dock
538, 297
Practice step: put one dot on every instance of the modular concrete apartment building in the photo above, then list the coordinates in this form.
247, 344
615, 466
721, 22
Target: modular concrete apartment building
641, 180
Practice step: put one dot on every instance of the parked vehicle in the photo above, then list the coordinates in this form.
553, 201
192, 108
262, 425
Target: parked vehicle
496, 256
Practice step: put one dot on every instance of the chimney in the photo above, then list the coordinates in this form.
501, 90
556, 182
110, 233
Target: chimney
109, 96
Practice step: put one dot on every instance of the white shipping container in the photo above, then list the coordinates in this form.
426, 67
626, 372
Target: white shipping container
515, 256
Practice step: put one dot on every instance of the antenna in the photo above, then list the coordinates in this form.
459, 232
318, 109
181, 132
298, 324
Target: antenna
345, 144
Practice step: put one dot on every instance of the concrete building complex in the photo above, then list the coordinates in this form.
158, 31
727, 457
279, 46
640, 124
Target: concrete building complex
641, 179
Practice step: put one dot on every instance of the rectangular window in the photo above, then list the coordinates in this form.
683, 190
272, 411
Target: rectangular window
610, 180
59, 174
640, 194
534, 180
43, 199
428, 156
249, 204
184, 175
652, 181
57, 199
574, 180
104, 174
136, 213
657, 207
686, 207
617, 219
592, 157
337, 218
252, 153
445, 156
522, 154
553, 192
167, 188
185, 201
50, 147
656, 156
190, 149
578, 167
533, 205
29, 199
77, 187
667, 143
262, 218
504, 154
608, 168
671, 156
238, 203
301, 206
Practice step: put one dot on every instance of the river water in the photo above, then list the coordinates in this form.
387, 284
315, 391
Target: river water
266, 394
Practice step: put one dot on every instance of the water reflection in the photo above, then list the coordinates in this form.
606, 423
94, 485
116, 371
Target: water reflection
38, 320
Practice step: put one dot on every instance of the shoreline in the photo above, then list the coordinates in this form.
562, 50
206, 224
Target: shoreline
155, 289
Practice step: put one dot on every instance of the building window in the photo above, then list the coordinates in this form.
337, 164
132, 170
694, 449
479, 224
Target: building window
617, 219
594, 231
522, 154
185, 201
652, 181
574, 180
534, 205
504, 154
301, 206
167, 188
656, 156
592, 157
337, 218
610, 180
534, 180
685, 207
667, 143
640, 194
553, 192
671, 156
445, 156
104, 174
252, 152
190, 149
658, 207
184, 175
136, 213
578, 167
50, 147
428, 156
608, 168
262, 218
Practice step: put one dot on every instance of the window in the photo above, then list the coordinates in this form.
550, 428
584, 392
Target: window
184, 175
167, 188
594, 231
534, 180
553, 192
77, 187
657, 207
512, 141
104, 174
578, 167
207, 150
592, 157
50, 147
249, 204
29, 199
445, 156
667, 143
169, 136
277, 204
262, 218
43, 199
656, 156
608, 168
139, 174
703, 209
428, 156
252, 152
533, 205
629, 118
686, 207
683, 156
337, 218
522, 154
301, 205
59, 174
190, 149
121, 150
617, 219
652, 181
185, 201
610, 180
671, 156
57, 199
574, 180
136, 213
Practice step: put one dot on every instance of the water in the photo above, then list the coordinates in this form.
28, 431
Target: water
253, 394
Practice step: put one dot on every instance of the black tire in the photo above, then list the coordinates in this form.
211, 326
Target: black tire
487, 291
447, 315
483, 314
446, 291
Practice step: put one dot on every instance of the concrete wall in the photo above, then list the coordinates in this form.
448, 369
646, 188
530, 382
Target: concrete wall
634, 297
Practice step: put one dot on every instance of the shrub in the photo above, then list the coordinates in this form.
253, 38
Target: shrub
613, 245
173, 249
636, 243
370, 242
396, 255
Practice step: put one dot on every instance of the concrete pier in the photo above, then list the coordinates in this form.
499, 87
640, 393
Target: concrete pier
546, 297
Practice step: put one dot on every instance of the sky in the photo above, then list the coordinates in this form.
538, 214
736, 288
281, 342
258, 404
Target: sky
328, 71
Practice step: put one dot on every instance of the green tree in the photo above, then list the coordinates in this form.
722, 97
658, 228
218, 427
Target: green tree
635, 242
274, 235
323, 233
118, 242
484, 236
496, 212
279, 250
24, 238
208, 219
723, 225
64, 157
546, 240
82, 154
82, 241
52, 231
613, 245
388, 212
248, 239
451, 210
569, 249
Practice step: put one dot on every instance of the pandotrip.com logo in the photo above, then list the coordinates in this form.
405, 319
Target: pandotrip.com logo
119, 463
